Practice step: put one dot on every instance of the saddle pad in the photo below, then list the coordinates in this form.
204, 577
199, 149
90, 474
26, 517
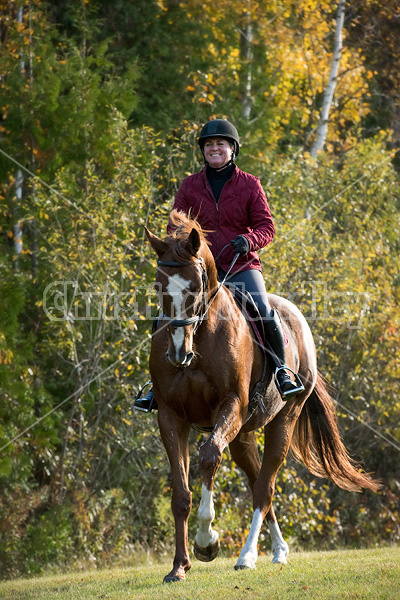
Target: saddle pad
250, 310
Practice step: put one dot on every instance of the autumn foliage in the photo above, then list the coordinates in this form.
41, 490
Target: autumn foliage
100, 106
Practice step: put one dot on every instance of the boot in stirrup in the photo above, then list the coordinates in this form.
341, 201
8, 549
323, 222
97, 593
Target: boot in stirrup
148, 402
274, 335
286, 387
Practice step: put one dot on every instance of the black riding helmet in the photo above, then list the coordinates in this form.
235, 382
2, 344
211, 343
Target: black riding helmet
220, 128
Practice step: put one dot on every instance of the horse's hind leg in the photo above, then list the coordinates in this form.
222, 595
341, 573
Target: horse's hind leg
280, 549
244, 452
278, 435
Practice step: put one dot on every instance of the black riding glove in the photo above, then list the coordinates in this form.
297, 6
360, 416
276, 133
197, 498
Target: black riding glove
240, 245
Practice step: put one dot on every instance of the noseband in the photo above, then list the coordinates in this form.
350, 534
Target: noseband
204, 279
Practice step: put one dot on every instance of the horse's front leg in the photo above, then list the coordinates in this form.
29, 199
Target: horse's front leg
229, 423
175, 436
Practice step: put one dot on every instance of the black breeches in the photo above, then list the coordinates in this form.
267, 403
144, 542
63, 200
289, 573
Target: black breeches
253, 282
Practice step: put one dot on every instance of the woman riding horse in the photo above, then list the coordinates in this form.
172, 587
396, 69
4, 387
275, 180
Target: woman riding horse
231, 205
201, 380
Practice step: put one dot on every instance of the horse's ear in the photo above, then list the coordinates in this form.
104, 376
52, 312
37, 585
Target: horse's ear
158, 245
194, 242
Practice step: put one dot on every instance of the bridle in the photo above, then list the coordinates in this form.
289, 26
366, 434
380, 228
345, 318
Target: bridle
198, 319
204, 280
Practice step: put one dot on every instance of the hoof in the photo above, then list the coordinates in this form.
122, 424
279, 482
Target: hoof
206, 554
248, 561
280, 555
279, 559
173, 578
177, 574
242, 567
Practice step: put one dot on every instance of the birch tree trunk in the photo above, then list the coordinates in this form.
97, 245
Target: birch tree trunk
322, 128
32, 222
19, 182
246, 39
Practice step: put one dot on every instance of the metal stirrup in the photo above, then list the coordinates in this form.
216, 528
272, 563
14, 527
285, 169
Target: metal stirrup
138, 397
300, 386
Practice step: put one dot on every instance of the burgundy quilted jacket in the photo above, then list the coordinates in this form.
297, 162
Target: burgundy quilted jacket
242, 209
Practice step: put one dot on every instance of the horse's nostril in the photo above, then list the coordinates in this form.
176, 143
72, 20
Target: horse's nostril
185, 362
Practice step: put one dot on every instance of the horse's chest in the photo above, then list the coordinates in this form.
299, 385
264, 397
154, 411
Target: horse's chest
194, 391
191, 384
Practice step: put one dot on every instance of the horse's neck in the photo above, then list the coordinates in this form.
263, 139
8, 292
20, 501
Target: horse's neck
221, 307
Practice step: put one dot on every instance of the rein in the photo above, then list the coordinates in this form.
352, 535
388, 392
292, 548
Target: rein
219, 287
198, 319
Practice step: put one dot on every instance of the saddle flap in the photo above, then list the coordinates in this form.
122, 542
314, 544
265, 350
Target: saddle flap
250, 310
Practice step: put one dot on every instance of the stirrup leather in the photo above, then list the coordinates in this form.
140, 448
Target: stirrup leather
138, 397
293, 391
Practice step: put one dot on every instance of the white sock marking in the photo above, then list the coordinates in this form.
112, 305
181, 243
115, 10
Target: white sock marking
248, 555
280, 549
205, 536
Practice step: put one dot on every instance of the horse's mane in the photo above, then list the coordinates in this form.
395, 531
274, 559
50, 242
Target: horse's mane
180, 225
183, 224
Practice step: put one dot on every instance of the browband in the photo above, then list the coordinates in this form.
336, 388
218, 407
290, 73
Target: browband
172, 263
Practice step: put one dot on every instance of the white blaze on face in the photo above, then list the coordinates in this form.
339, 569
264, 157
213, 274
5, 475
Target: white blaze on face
175, 287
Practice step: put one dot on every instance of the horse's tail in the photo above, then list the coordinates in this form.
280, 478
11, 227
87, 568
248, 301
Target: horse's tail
317, 443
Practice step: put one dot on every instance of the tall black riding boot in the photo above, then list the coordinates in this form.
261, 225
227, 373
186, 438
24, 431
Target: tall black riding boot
274, 336
148, 402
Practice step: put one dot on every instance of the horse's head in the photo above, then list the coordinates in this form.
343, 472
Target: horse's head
181, 283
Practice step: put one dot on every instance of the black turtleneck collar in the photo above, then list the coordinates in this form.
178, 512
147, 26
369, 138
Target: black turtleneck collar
218, 177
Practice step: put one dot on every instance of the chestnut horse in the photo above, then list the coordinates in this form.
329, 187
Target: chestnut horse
204, 362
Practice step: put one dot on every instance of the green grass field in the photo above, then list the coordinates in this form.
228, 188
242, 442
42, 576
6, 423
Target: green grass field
372, 574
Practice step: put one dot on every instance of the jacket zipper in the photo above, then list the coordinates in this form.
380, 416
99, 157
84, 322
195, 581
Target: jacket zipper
216, 205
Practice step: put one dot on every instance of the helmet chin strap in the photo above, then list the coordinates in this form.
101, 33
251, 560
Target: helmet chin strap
230, 162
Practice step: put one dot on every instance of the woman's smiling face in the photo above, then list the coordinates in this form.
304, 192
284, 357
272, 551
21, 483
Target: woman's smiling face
217, 152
